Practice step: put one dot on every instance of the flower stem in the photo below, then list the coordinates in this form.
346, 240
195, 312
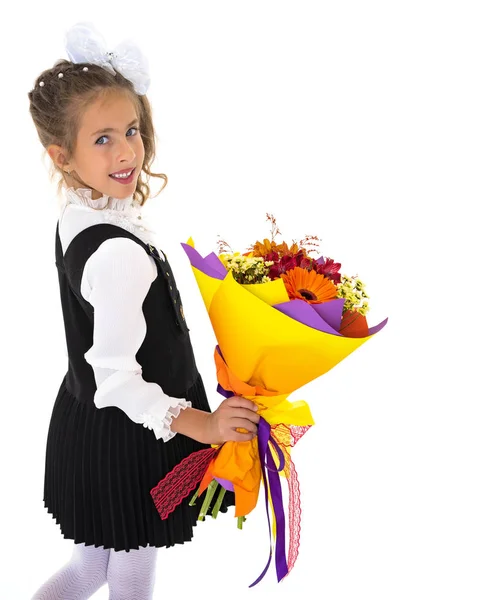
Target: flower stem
192, 502
241, 520
219, 500
210, 491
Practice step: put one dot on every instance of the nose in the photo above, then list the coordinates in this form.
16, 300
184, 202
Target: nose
127, 153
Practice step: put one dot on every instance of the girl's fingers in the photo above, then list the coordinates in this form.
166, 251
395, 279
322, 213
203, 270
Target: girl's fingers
244, 413
236, 436
240, 402
237, 422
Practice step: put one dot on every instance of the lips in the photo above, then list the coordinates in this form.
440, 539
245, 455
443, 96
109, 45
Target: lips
122, 171
124, 180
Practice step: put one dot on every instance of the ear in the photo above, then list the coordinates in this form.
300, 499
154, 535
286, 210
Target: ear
56, 153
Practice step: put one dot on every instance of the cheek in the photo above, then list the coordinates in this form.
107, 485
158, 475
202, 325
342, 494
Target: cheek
94, 160
100, 164
140, 150
102, 161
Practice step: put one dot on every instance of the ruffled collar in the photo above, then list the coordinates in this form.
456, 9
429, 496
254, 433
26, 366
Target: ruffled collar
124, 212
83, 196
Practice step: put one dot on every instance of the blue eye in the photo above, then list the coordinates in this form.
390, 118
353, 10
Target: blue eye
105, 136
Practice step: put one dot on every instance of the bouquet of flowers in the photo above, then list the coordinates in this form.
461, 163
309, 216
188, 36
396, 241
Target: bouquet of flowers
281, 319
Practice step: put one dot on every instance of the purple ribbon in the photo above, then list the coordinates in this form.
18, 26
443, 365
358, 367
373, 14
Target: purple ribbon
267, 460
271, 480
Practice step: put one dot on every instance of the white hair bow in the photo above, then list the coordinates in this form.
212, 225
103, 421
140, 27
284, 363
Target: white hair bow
84, 44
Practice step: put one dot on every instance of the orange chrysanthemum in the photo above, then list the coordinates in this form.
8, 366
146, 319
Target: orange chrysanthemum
308, 285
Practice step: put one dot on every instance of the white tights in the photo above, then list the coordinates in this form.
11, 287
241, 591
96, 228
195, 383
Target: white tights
130, 575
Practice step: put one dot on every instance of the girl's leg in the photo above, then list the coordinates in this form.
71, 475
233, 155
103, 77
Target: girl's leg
78, 579
131, 575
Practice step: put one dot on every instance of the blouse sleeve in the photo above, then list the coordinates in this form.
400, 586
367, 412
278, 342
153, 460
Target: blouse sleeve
115, 281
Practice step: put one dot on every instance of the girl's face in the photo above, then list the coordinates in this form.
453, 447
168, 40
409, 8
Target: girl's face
108, 141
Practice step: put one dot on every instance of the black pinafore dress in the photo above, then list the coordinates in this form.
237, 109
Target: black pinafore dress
99, 465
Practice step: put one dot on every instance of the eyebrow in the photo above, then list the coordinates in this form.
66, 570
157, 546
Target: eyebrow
105, 129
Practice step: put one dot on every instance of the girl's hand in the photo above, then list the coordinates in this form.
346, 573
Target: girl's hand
233, 413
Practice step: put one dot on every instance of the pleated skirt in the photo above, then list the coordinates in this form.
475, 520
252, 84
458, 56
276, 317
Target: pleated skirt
100, 467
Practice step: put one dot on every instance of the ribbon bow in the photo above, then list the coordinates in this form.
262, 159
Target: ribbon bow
85, 44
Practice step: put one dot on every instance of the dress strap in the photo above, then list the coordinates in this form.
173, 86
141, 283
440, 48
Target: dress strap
85, 243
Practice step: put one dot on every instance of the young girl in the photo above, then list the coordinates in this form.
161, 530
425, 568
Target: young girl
132, 403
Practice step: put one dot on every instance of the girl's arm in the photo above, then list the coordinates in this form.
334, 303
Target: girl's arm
115, 281
221, 425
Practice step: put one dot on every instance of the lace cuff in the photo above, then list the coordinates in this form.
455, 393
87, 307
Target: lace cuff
159, 421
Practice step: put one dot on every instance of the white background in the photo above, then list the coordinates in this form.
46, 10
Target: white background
353, 121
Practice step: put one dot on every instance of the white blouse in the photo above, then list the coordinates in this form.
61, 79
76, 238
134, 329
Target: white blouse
115, 281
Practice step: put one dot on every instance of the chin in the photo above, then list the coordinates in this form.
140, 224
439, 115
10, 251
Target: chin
124, 191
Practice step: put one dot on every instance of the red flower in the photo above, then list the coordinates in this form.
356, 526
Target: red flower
330, 269
284, 264
307, 263
290, 261
273, 255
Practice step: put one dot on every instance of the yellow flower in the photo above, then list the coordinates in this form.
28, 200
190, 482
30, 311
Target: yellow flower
352, 290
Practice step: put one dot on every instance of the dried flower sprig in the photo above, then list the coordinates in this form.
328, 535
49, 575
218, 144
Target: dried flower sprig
274, 227
223, 246
309, 240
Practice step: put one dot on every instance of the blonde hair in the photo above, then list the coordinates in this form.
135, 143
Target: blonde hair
57, 106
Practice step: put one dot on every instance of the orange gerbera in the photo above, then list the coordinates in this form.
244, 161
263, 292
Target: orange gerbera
308, 285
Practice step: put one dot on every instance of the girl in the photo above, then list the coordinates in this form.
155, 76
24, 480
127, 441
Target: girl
132, 403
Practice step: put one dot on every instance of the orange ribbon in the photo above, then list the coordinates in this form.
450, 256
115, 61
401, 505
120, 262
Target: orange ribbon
238, 462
